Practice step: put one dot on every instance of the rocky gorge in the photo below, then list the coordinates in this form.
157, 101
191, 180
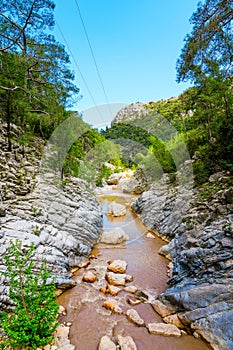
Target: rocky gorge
65, 222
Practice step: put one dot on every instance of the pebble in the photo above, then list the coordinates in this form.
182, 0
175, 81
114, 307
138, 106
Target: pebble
133, 302
112, 304
61, 309
106, 344
128, 278
84, 264
131, 289
89, 277
150, 235
117, 266
126, 343
113, 290
116, 279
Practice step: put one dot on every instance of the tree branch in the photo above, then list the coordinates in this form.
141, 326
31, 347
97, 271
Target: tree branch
12, 22
39, 111
11, 89
15, 41
29, 16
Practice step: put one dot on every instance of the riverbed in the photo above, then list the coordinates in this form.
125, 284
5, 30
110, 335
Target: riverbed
84, 303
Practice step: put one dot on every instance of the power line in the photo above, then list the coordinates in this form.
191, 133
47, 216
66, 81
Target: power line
93, 55
77, 66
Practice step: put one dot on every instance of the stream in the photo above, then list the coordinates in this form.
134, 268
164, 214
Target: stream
84, 303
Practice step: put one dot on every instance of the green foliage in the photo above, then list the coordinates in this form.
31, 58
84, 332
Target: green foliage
87, 155
206, 60
33, 320
93, 168
103, 173
140, 146
209, 47
80, 149
35, 79
201, 172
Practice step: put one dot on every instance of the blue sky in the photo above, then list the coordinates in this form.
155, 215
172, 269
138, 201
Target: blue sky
136, 45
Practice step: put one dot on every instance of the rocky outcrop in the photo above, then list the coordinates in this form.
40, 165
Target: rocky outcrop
130, 112
18, 168
136, 184
62, 221
200, 232
164, 205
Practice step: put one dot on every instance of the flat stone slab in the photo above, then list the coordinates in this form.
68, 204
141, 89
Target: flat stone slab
162, 309
166, 330
106, 344
126, 343
118, 266
113, 290
131, 289
134, 317
116, 279
174, 319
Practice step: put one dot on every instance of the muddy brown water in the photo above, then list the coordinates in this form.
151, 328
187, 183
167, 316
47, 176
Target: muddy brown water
90, 321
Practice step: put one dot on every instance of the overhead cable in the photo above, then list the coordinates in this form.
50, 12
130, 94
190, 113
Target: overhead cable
93, 56
78, 68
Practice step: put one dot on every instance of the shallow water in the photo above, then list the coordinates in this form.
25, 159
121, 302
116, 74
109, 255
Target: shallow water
90, 321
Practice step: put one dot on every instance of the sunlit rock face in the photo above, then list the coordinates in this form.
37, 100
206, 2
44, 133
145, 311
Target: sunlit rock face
130, 112
62, 221
201, 241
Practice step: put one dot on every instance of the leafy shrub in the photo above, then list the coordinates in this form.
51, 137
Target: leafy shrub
33, 320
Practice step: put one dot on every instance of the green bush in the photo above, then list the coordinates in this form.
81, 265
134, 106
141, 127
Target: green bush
33, 320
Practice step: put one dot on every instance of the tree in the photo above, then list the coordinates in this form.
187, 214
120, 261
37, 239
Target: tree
206, 60
12, 99
33, 320
208, 50
42, 79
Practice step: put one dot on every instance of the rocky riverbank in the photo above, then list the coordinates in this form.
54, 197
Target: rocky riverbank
64, 222
200, 249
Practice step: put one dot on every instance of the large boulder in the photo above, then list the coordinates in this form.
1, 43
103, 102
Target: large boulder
114, 236
136, 184
116, 209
